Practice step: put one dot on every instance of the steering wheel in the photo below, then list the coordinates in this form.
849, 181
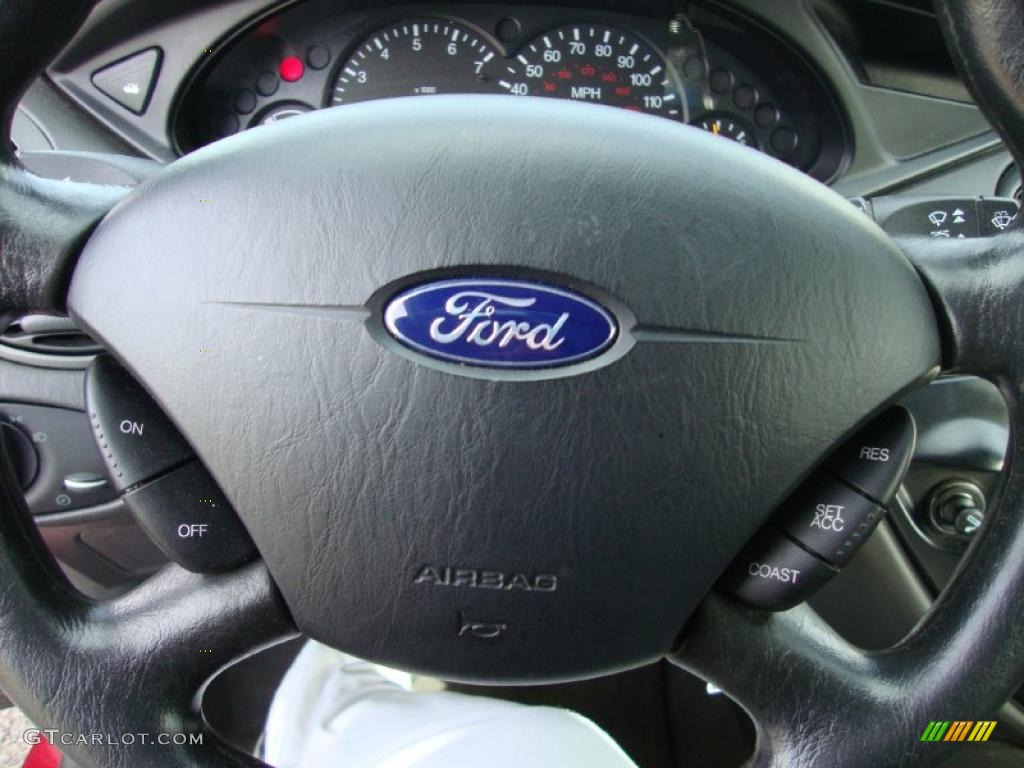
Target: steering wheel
585, 511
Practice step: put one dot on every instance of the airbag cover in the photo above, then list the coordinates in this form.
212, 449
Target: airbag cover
454, 519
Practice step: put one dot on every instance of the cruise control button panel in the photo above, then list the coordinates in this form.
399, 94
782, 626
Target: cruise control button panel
875, 460
136, 439
167, 490
824, 523
191, 521
829, 518
774, 573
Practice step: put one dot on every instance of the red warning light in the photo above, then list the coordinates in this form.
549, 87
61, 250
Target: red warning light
291, 68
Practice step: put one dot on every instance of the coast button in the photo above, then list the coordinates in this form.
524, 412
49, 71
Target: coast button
774, 573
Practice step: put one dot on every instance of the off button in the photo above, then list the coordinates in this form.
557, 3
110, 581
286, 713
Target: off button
191, 521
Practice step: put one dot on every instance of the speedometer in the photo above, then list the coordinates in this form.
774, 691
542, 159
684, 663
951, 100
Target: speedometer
420, 57
594, 62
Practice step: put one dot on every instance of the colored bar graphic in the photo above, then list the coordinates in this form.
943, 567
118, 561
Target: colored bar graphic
982, 730
935, 730
958, 730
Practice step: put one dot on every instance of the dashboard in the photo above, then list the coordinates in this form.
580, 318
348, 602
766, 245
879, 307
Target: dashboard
709, 67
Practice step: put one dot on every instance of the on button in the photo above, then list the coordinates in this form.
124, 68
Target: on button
136, 439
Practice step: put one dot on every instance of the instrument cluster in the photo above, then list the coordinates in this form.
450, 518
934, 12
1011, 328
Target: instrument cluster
710, 68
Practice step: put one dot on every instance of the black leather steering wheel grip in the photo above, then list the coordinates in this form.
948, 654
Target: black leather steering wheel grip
984, 38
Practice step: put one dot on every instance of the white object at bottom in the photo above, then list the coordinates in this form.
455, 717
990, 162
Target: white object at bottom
333, 710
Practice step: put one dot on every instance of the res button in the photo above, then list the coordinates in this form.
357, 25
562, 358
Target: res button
875, 460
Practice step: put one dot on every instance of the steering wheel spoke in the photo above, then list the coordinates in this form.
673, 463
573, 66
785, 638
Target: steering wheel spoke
154, 647
976, 285
773, 665
164, 641
43, 225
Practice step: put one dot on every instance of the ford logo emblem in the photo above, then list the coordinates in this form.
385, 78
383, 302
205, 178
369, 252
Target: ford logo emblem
499, 323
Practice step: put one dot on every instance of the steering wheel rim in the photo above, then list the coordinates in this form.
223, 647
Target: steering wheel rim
162, 642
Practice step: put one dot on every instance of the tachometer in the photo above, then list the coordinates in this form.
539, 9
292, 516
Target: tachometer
418, 58
594, 62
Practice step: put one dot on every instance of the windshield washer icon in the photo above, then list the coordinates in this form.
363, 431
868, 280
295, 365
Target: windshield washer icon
1002, 219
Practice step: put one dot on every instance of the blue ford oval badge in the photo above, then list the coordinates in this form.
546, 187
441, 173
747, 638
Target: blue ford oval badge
499, 323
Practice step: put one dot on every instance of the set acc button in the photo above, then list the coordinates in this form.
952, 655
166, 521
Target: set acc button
829, 518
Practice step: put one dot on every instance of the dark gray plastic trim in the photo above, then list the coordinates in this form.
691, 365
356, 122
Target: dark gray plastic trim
887, 153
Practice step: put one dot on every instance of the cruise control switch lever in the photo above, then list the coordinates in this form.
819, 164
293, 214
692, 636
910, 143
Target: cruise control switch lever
167, 489
823, 524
